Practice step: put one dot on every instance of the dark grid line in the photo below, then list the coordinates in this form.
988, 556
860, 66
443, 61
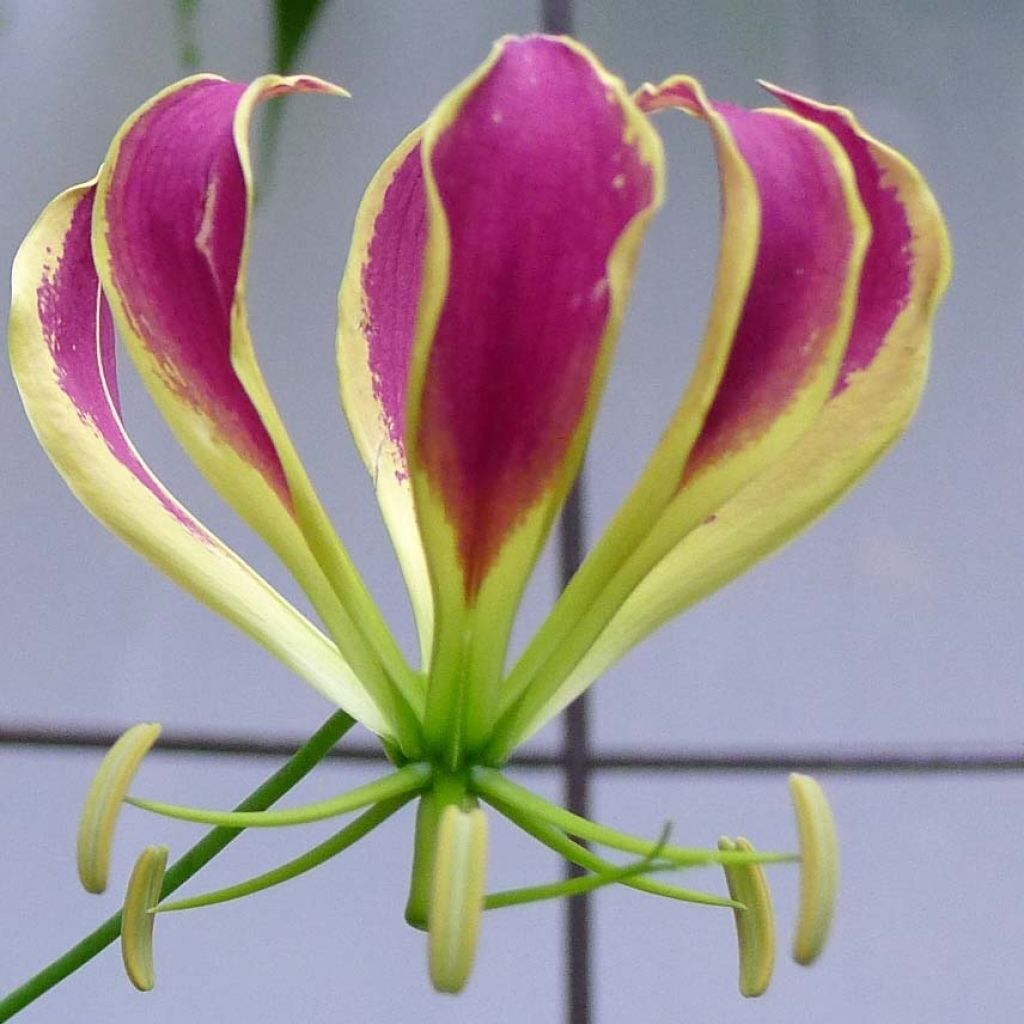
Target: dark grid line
557, 17
939, 758
577, 764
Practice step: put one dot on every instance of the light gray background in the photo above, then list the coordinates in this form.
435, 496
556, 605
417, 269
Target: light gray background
896, 620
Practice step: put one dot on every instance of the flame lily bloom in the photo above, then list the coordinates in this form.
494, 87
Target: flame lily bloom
489, 273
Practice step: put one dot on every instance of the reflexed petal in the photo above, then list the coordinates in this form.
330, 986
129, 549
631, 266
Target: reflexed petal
170, 238
63, 356
794, 237
376, 322
906, 272
540, 176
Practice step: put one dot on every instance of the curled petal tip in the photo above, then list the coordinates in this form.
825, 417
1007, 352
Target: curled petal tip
137, 918
103, 803
268, 85
819, 875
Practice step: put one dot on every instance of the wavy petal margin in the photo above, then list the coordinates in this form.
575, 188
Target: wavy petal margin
537, 178
63, 357
170, 240
377, 309
906, 272
795, 235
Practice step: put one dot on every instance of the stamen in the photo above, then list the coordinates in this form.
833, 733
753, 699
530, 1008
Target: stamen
492, 785
819, 874
578, 886
144, 887
342, 840
103, 803
410, 779
457, 896
572, 851
755, 924
422, 876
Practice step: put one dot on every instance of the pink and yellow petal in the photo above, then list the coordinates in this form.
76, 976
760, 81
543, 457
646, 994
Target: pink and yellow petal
170, 238
906, 272
63, 356
377, 310
540, 176
795, 237
797, 313
659, 482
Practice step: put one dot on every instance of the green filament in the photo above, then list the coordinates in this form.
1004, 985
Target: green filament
351, 833
492, 785
408, 780
581, 885
572, 851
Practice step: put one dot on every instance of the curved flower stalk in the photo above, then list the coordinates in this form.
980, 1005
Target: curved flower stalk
488, 276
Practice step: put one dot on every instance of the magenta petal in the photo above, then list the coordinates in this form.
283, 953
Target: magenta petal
175, 223
170, 239
538, 179
887, 282
391, 278
800, 287
63, 357
76, 325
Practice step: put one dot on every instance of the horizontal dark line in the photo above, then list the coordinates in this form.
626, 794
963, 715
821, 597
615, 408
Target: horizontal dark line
950, 757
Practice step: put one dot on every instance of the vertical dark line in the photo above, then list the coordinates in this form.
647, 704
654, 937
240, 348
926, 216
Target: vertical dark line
577, 767
556, 17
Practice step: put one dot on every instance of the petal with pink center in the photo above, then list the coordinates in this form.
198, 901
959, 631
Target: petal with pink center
794, 237
906, 271
377, 310
63, 356
170, 239
540, 176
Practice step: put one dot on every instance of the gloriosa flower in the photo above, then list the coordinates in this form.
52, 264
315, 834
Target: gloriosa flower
489, 273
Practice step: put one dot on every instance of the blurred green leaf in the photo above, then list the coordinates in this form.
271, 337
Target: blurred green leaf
188, 34
293, 21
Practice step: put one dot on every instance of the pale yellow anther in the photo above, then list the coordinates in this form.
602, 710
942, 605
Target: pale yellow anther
137, 918
819, 873
103, 803
457, 896
755, 924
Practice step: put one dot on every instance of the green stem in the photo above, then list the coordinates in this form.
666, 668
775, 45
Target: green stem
492, 785
286, 777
